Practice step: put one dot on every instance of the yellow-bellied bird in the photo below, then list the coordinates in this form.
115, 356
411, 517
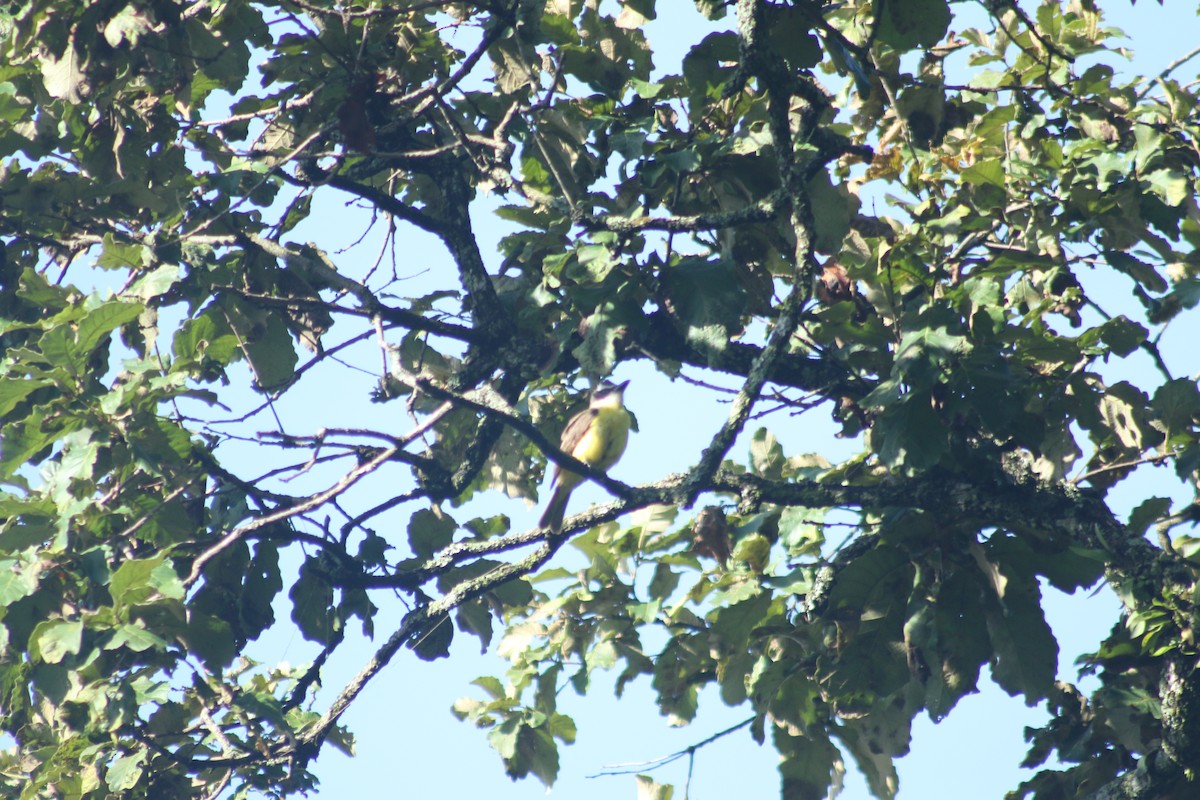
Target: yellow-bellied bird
596, 436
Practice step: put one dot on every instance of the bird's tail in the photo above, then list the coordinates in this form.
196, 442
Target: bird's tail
552, 517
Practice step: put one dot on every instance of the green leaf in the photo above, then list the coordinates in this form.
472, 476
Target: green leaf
675, 677
312, 604
592, 264
647, 789
78, 457
925, 348
503, 738
766, 455
629, 17
705, 67
123, 255
908, 24
126, 772
272, 355
962, 637
22, 440
711, 340
1025, 659
17, 580
510, 67
986, 173
597, 355
433, 642
790, 35
877, 738
754, 549
1172, 186
647, 91
1149, 144
799, 533
489, 527
1147, 512
733, 675
13, 391
808, 765
711, 9
101, 321
492, 686
866, 575
1073, 568
127, 26
429, 531
664, 582
911, 435
196, 336
1137, 269
31, 530
155, 283
211, 638
1122, 335
1176, 404
63, 74
139, 580
1123, 411
476, 618
793, 701
262, 583
833, 207
703, 292
135, 638
54, 640
735, 623
537, 753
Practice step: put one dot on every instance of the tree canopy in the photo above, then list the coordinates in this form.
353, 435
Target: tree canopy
951, 228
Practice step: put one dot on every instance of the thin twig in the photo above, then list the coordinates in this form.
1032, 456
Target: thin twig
1154, 459
646, 766
307, 504
1162, 76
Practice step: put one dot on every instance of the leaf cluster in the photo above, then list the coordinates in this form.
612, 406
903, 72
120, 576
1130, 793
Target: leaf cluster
993, 344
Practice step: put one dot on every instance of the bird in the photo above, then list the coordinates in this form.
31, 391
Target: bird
596, 436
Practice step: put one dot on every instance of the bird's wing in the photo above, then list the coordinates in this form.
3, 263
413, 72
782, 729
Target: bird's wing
576, 428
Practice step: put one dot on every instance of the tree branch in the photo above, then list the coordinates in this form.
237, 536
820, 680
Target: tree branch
779, 91
414, 623
762, 211
307, 504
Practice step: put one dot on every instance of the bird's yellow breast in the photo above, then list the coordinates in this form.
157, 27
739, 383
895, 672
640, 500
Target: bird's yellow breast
605, 439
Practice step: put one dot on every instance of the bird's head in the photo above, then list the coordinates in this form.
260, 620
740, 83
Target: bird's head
608, 395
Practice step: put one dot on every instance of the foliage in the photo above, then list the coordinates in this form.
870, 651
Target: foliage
968, 339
